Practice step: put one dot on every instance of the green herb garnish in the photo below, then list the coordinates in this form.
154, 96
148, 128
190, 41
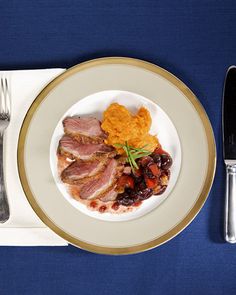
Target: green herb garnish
133, 154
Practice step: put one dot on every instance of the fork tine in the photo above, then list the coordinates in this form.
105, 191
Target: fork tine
2, 94
5, 103
7, 98
4, 97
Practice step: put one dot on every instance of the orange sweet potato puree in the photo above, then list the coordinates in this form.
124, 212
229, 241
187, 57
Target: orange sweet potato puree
122, 126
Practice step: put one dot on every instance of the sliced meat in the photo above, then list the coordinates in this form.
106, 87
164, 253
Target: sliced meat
98, 185
85, 139
63, 162
80, 169
87, 126
105, 160
85, 151
109, 195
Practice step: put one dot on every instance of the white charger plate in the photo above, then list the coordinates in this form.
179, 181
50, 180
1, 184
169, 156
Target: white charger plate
182, 122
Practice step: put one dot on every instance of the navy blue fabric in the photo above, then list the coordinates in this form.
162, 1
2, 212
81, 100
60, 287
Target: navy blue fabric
195, 40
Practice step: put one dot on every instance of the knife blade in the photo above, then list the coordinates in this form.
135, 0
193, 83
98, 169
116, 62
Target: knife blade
229, 115
229, 153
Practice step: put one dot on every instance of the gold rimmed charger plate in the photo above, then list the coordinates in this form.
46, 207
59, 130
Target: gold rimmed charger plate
197, 143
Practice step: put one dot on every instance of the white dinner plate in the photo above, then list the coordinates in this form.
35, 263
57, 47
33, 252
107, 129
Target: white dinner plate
94, 105
180, 123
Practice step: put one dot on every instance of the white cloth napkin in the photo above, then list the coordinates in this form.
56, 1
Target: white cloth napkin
23, 228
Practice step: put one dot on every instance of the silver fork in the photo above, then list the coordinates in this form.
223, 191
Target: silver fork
5, 115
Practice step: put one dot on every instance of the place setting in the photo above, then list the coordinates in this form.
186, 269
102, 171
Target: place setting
114, 155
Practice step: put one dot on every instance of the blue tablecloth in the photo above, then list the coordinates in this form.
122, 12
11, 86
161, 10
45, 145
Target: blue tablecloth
195, 40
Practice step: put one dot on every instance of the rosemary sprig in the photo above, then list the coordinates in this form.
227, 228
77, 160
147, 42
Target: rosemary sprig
133, 154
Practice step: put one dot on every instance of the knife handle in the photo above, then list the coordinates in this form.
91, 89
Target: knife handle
230, 205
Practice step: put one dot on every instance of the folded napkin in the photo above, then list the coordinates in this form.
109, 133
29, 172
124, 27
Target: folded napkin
23, 228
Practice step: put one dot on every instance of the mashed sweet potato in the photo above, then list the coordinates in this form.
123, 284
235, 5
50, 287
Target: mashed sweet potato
122, 126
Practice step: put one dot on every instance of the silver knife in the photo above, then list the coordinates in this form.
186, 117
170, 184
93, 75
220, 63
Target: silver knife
229, 153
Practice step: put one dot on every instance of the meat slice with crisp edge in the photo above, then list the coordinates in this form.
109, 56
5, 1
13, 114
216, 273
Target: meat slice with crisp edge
87, 126
85, 151
96, 186
109, 195
80, 169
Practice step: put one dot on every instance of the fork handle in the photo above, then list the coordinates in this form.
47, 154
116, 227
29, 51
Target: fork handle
4, 206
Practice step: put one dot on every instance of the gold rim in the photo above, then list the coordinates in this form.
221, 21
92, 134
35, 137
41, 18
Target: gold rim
211, 155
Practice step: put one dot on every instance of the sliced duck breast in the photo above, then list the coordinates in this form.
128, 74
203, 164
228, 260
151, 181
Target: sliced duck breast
80, 169
85, 151
109, 195
98, 185
86, 126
